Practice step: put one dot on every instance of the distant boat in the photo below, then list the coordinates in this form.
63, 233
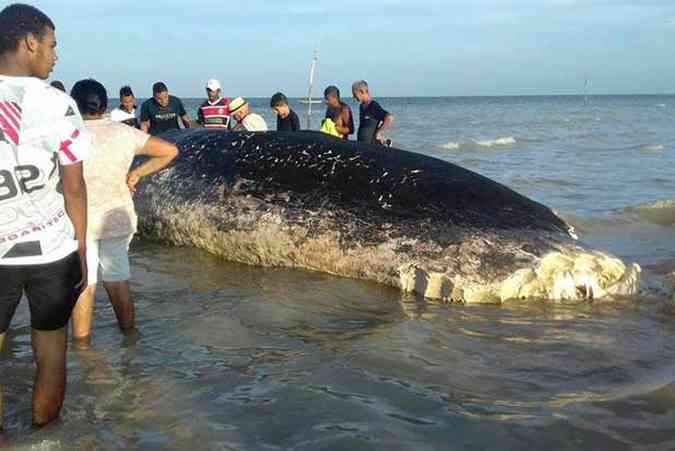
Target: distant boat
306, 101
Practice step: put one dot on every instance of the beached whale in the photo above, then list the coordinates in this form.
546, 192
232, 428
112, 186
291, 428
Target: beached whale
307, 200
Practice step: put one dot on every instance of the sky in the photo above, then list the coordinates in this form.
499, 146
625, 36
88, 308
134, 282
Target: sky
402, 48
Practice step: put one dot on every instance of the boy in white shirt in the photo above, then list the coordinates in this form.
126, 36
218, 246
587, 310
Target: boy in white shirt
126, 112
43, 199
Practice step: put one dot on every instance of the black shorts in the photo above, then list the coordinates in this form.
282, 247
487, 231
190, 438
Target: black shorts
51, 290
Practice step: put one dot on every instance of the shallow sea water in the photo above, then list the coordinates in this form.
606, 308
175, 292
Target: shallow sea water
235, 357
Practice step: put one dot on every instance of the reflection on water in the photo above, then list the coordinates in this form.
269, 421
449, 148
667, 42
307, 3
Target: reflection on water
234, 357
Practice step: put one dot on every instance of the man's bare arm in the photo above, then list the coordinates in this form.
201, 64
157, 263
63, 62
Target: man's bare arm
186, 121
75, 197
161, 153
145, 126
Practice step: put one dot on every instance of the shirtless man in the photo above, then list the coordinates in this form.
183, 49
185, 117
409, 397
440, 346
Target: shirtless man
338, 111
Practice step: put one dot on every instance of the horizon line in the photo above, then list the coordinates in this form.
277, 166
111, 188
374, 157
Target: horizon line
671, 94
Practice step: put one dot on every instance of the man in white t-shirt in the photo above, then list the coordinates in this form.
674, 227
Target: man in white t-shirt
126, 112
246, 120
111, 217
42, 199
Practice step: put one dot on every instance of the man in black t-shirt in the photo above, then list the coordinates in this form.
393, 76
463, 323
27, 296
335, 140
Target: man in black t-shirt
373, 119
162, 112
287, 120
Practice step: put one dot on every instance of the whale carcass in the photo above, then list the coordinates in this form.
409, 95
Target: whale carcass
307, 200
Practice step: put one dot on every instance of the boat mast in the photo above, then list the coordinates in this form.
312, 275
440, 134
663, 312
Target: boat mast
311, 86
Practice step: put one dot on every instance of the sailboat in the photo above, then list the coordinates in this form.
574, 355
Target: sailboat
308, 100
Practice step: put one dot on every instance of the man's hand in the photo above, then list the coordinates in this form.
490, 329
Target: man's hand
132, 180
379, 137
82, 253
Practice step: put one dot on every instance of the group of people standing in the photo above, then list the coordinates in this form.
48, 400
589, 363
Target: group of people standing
66, 207
67, 183
165, 112
339, 119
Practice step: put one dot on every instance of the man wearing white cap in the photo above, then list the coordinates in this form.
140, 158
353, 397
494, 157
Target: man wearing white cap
246, 121
214, 112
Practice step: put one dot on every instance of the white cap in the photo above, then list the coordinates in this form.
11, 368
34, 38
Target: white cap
213, 84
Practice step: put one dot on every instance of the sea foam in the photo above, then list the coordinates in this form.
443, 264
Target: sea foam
504, 141
652, 148
480, 143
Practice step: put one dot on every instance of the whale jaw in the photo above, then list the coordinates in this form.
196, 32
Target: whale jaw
568, 276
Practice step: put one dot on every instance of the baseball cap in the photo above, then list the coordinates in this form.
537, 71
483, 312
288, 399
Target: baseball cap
213, 84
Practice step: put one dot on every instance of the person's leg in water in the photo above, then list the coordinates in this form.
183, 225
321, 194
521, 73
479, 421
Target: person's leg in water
83, 313
52, 291
120, 298
115, 272
49, 351
11, 289
2, 411
112, 258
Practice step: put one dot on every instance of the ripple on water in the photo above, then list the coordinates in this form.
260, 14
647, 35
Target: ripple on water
233, 357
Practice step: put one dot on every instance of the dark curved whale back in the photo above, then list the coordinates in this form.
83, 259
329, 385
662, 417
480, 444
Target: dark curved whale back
388, 183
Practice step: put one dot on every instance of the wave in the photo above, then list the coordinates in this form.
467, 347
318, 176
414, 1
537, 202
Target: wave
652, 147
450, 146
660, 213
506, 141
478, 143
540, 182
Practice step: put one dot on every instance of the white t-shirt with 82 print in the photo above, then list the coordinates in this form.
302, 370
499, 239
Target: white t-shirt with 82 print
40, 129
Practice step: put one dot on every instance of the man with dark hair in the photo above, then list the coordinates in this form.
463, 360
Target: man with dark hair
111, 218
215, 111
126, 112
43, 196
339, 112
287, 120
161, 113
58, 85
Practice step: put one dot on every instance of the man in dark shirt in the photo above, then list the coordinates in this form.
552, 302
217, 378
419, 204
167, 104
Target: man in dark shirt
58, 85
162, 112
287, 120
373, 119
339, 112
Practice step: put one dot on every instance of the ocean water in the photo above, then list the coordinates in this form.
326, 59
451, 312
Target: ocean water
242, 358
